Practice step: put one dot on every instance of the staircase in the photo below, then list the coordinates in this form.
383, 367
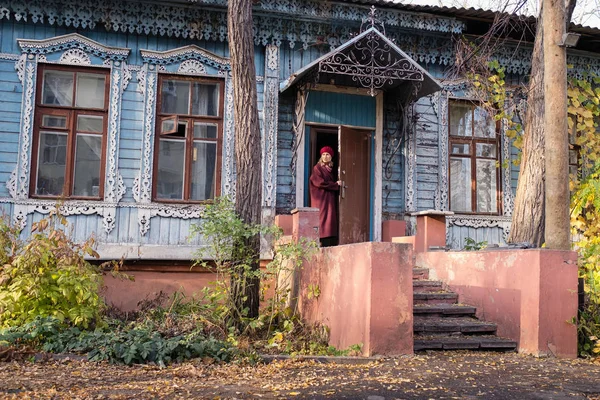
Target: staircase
441, 323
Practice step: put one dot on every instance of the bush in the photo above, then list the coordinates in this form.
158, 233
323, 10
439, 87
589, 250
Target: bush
47, 275
115, 342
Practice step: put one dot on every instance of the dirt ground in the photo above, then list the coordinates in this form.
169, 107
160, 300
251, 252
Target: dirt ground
448, 375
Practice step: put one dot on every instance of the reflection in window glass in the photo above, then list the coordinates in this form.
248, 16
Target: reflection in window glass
460, 184
486, 186
54, 121
485, 126
204, 168
52, 160
461, 148
88, 154
90, 91
486, 150
168, 125
205, 99
205, 131
175, 97
461, 119
170, 174
57, 88
90, 123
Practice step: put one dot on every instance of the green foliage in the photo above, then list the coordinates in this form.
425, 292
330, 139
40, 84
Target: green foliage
583, 111
585, 226
277, 325
116, 342
490, 87
472, 245
48, 276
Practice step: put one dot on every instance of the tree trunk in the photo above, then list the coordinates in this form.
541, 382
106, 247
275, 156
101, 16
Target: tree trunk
557, 139
528, 215
247, 135
528, 220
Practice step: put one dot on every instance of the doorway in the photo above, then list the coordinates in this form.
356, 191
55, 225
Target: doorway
352, 164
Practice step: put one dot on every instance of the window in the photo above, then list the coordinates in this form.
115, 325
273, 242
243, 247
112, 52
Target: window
188, 139
70, 132
474, 159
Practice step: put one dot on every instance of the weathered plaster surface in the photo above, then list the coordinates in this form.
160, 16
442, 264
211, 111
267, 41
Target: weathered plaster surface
125, 294
365, 296
530, 294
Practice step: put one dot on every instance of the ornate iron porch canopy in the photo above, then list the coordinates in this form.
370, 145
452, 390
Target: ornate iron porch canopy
370, 60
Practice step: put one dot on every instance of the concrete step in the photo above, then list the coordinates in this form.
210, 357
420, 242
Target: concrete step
420, 273
449, 325
443, 310
462, 342
420, 286
441, 297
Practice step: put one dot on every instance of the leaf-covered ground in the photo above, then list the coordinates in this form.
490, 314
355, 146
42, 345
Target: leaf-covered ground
449, 375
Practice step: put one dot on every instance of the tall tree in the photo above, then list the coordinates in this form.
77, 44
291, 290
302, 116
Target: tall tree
528, 221
247, 136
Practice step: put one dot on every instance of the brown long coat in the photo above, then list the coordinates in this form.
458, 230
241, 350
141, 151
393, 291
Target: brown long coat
323, 195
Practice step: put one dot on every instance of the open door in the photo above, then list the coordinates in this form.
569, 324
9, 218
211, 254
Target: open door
354, 172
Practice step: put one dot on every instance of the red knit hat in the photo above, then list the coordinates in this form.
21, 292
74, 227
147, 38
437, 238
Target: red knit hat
326, 149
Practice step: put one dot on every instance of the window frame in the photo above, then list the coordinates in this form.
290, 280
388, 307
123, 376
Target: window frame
71, 113
473, 141
189, 140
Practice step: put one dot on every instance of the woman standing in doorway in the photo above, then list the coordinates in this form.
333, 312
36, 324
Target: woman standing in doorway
323, 195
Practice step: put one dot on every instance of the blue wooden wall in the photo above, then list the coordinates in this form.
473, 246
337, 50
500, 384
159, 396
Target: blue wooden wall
163, 231
11, 92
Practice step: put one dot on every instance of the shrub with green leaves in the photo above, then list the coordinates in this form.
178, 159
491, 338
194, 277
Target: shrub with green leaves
47, 275
116, 342
224, 233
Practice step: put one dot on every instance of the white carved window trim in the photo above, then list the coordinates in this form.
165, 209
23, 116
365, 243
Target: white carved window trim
443, 129
75, 49
473, 141
189, 61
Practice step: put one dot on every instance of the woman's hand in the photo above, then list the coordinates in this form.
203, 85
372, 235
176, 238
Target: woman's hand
339, 183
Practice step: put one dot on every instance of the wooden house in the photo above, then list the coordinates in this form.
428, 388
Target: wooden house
122, 112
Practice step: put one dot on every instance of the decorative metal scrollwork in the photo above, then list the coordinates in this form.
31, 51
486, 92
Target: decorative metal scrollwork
372, 63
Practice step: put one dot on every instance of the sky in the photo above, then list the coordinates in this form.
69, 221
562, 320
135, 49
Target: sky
587, 12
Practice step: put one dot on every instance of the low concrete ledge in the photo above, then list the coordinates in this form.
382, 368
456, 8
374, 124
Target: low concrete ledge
431, 213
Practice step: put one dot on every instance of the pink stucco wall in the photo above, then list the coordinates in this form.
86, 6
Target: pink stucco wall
531, 294
125, 294
365, 296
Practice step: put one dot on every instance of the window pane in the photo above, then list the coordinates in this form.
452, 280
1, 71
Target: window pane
58, 88
485, 126
461, 148
175, 97
486, 150
90, 123
205, 99
204, 169
54, 121
88, 155
171, 162
52, 160
461, 119
90, 91
204, 131
460, 184
167, 125
486, 186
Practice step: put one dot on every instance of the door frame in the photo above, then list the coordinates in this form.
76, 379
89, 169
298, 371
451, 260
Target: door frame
378, 150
